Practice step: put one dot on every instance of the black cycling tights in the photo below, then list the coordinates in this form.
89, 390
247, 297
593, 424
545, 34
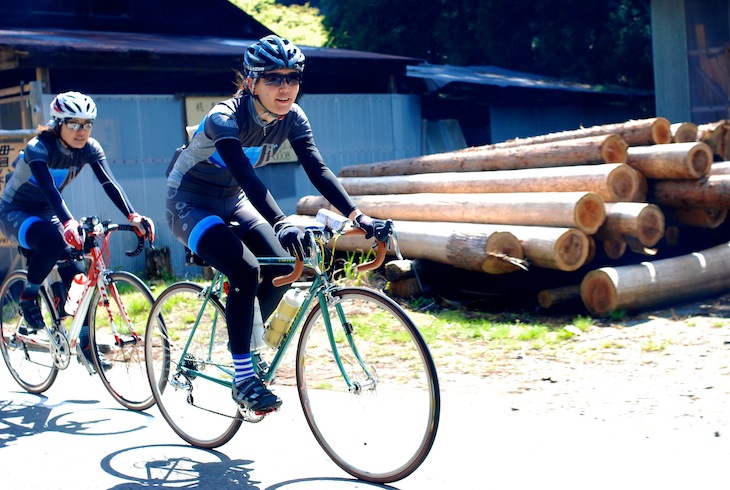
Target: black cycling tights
48, 246
222, 248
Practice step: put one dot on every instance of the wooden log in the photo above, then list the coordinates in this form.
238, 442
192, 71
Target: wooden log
563, 249
582, 210
643, 221
683, 132
611, 181
614, 248
635, 132
471, 247
549, 298
720, 168
717, 136
712, 192
700, 218
671, 161
592, 150
650, 284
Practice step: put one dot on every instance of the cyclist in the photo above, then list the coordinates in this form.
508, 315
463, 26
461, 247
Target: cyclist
34, 215
212, 183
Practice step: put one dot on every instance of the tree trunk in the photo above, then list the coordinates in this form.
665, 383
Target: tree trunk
548, 298
643, 221
472, 247
717, 136
563, 249
684, 132
711, 192
635, 132
582, 210
700, 218
611, 181
672, 161
597, 149
649, 284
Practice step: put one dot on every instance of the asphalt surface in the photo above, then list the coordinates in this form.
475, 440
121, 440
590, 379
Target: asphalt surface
76, 437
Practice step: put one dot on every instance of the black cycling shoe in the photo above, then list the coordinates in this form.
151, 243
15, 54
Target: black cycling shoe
31, 314
253, 395
106, 364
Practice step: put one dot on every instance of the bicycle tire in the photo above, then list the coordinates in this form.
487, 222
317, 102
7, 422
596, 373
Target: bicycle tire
198, 409
126, 381
30, 362
382, 434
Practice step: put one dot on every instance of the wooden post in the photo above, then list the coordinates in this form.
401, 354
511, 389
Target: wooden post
672, 161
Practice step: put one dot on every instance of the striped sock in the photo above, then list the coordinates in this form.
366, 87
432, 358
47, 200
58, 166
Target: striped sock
243, 366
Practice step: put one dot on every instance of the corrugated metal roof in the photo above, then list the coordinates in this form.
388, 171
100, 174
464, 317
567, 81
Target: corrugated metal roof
39, 40
444, 77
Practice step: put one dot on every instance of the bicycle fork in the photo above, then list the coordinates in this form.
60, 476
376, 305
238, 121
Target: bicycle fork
369, 382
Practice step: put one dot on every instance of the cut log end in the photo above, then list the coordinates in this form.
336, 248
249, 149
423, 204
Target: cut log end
624, 183
661, 131
590, 213
614, 149
572, 249
598, 293
651, 225
700, 160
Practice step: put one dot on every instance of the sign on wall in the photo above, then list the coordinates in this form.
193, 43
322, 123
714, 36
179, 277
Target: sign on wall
10, 146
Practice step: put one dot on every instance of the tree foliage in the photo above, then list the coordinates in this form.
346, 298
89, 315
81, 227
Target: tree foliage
607, 42
301, 24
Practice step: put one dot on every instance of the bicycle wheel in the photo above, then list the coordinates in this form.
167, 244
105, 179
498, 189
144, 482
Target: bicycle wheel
28, 357
189, 365
130, 303
382, 427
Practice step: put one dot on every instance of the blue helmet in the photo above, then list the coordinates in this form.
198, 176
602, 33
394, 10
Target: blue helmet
271, 53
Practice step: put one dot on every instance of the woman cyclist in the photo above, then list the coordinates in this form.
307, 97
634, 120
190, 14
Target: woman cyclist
34, 215
213, 184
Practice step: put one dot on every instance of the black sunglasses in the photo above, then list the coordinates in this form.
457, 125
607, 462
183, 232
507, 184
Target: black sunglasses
277, 78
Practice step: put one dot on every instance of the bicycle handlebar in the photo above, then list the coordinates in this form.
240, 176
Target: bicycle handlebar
92, 227
380, 254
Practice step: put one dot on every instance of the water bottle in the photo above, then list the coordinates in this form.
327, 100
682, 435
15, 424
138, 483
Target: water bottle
332, 220
257, 335
75, 292
283, 316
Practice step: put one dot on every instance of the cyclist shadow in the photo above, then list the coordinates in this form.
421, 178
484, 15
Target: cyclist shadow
30, 415
181, 466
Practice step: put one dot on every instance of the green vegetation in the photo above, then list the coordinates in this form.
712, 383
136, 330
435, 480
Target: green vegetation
301, 24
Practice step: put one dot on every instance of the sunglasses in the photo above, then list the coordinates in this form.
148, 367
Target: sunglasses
74, 126
277, 79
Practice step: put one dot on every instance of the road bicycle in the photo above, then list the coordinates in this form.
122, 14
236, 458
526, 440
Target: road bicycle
114, 305
365, 378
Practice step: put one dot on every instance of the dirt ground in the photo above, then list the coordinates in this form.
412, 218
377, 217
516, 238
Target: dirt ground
668, 368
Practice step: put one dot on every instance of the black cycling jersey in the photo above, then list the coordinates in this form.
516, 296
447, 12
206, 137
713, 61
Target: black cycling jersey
46, 167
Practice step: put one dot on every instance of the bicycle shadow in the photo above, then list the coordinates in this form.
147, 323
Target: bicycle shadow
177, 466
27, 415
181, 466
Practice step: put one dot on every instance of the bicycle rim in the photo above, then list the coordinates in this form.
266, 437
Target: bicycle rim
197, 406
29, 361
126, 380
384, 432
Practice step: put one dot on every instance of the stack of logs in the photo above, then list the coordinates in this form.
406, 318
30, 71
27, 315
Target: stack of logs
554, 201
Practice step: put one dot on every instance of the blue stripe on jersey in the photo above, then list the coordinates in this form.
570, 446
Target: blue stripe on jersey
253, 153
23, 231
58, 175
200, 228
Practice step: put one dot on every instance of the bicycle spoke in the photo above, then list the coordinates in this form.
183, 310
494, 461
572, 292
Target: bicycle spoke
190, 367
374, 406
117, 330
28, 357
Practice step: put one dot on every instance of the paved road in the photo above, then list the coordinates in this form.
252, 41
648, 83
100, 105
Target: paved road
76, 436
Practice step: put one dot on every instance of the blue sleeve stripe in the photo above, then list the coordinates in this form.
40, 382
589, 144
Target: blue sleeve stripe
200, 228
23, 231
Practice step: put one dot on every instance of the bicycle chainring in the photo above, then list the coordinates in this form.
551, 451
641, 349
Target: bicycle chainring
60, 349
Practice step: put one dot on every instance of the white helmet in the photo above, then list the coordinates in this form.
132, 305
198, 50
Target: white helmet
72, 104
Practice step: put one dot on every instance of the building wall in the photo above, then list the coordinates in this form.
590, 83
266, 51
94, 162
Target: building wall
690, 41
